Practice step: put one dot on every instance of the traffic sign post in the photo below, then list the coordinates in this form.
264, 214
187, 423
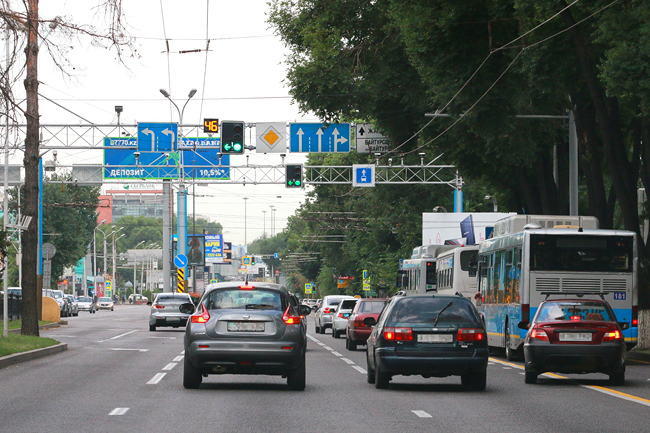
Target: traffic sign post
308, 288
180, 274
363, 175
315, 137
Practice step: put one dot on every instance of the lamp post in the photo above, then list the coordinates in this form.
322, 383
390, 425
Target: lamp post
264, 233
494, 202
245, 218
113, 249
272, 209
95, 257
135, 267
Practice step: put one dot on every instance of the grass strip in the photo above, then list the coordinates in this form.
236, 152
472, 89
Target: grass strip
15, 324
16, 343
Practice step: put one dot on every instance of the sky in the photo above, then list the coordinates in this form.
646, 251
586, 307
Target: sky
248, 88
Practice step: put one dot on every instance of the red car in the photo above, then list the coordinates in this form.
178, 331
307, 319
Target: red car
356, 331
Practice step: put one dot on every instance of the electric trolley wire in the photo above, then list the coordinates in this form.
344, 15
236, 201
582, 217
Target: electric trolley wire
207, 50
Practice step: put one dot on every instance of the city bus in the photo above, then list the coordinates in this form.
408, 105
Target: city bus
417, 275
531, 257
456, 271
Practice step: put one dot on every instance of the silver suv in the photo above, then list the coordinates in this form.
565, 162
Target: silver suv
165, 312
251, 328
326, 310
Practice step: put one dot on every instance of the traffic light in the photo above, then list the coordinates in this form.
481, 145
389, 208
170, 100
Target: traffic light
232, 137
252, 260
294, 176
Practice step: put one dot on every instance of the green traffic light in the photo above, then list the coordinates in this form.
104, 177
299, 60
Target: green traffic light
297, 183
237, 147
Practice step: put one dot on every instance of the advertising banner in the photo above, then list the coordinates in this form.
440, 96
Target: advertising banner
196, 250
458, 228
213, 249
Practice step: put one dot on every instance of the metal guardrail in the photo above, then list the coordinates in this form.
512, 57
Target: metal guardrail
14, 306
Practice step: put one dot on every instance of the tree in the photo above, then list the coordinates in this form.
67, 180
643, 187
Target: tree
25, 24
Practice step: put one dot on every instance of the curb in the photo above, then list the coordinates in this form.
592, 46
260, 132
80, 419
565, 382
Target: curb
636, 356
16, 358
41, 327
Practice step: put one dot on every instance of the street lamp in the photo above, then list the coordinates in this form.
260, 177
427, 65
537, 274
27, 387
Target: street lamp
494, 202
245, 240
264, 233
437, 208
272, 209
135, 267
113, 249
180, 112
95, 257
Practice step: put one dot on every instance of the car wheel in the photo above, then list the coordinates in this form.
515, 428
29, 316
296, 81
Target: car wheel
530, 377
296, 379
152, 328
335, 333
381, 377
191, 376
321, 330
350, 344
371, 373
477, 380
317, 329
617, 378
111, 309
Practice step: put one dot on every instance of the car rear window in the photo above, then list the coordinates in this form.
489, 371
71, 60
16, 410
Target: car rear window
172, 299
371, 307
561, 311
256, 299
426, 310
349, 304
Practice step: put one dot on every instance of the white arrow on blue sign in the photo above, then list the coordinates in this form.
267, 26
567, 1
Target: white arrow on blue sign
363, 175
180, 260
315, 137
157, 137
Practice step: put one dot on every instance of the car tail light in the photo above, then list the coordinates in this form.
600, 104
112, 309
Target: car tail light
326, 311
246, 287
635, 316
201, 317
343, 315
359, 324
576, 318
470, 334
539, 334
612, 335
159, 306
289, 319
398, 334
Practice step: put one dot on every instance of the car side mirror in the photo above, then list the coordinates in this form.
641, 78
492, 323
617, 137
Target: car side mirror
624, 325
187, 308
523, 325
304, 310
369, 321
149, 303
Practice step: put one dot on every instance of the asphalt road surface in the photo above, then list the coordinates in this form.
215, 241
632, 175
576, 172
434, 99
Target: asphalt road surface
118, 377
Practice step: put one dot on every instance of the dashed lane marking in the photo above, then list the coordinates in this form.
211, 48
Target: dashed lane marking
169, 366
349, 361
335, 353
126, 349
359, 369
157, 378
421, 413
164, 338
118, 336
178, 358
119, 411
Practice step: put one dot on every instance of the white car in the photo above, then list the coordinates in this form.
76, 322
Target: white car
326, 311
340, 318
86, 304
105, 303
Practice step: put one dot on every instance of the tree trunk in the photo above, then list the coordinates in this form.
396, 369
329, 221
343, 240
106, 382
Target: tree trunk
29, 281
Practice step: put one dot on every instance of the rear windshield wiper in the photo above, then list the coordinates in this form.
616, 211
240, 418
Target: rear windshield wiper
440, 312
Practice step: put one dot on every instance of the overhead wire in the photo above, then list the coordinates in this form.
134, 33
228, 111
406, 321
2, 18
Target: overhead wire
207, 46
169, 72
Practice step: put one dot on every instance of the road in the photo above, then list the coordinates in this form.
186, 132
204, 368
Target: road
118, 377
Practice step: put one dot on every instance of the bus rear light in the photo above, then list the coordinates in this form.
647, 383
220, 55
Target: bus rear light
398, 334
470, 334
635, 315
539, 334
200, 317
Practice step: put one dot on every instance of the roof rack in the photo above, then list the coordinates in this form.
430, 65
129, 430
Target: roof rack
578, 294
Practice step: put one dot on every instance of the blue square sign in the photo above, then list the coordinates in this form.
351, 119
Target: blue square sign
363, 175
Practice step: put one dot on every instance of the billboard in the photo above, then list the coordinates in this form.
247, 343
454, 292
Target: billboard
213, 249
196, 250
458, 228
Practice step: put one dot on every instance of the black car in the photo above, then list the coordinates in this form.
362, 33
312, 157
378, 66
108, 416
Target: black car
246, 328
575, 336
428, 335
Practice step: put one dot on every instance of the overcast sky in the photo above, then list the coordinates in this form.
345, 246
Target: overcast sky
250, 89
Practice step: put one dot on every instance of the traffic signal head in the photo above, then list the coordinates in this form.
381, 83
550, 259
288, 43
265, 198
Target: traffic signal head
252, 260
232, 137
294, 176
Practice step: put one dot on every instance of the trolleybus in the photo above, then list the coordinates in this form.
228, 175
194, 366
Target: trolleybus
417, 275
456, 270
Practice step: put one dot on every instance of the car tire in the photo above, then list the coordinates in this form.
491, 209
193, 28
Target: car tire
152, 328
317, 329
381, 377
476, 381
530, 377
191, 376
111, 309
350, 344
322, 330
370, 377
617, 378
335, 333
297, 378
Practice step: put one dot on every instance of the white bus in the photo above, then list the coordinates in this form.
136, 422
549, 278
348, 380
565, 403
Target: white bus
417, 275
531, 257
456, 271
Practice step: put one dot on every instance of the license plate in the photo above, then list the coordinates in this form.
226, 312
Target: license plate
173, 319
246, 326
435, 338
575, 336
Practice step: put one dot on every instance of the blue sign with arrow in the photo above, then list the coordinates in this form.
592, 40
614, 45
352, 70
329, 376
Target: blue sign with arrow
315, 137
180, 260
157, 137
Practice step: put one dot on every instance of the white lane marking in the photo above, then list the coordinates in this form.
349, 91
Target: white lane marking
507, 368
183, 352
157, 378
607, 391
169, 366
164, 338
349, 361
137, 350
335, 353
359, 369
118, 336
178, 359
119, 411
421, 413
328, 348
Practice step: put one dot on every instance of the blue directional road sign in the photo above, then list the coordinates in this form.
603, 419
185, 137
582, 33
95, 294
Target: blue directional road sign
198, 158
157, 137
315, 137
180, 260
363, 175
